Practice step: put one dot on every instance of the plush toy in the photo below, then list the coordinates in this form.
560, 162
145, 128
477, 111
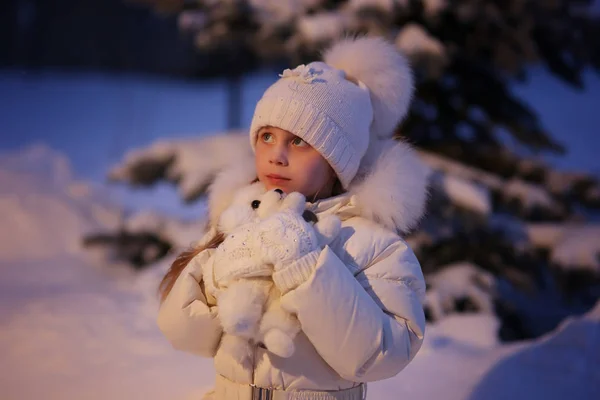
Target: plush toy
247, 299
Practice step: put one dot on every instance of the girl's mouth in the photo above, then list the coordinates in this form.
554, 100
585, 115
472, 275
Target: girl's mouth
277, 178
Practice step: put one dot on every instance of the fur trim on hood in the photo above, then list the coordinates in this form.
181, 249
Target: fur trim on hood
390, 189
392, 186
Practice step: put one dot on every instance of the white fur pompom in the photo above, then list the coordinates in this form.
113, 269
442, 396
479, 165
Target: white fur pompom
387, 74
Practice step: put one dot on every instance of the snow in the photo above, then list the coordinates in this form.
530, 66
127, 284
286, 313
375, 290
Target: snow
278, 12
467, 194
531, 195
564, 181
545, 235
414, 40
192, 20
457, 281
574, 349
478, 330
191, 163
145, 221
181, 233
457, 169
322, 27
74, 328
572, 246
386, 6
452, 366
434, 7
46, 212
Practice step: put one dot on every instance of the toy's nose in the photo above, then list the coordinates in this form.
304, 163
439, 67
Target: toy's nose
279, 191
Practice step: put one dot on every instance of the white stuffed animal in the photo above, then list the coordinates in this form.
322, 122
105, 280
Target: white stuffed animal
248, 301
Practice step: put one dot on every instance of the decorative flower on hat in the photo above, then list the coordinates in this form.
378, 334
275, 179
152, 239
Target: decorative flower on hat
302, 72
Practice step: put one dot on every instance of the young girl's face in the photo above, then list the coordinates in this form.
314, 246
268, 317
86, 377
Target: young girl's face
285, 161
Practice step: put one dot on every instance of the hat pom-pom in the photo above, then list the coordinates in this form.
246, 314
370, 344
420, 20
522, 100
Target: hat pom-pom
376, 62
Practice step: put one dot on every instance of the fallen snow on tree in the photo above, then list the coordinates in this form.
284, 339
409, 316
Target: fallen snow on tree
571, 246
467, 194
386, 6
434, 7
563, 182
191, 163
277, 12
461, 170
181, 234
322, 27
530, 195
414, 40
192, 20
458, 281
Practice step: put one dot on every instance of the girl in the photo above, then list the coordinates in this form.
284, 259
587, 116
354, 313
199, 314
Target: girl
323, 130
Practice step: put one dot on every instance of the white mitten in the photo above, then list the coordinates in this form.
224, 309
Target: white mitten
238, 257
293, 246
285, 237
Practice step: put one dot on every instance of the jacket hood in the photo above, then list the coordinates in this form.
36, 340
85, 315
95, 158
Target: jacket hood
391, 187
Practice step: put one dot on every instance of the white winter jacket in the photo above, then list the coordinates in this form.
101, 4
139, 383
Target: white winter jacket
361, 309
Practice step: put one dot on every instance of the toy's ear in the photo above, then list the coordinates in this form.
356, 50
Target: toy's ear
241, 210
294, 201
327, 229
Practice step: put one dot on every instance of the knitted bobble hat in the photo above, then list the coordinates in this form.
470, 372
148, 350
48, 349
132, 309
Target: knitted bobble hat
362, 89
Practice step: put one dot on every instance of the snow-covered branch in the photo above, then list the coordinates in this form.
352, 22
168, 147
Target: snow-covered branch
190, 163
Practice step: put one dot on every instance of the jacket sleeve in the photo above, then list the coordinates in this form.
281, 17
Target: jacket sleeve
366, 322
188, 317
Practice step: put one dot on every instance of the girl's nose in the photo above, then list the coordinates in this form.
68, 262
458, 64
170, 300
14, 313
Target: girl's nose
279, 157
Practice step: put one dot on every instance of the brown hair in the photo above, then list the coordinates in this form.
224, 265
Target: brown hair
337, 188
182, 260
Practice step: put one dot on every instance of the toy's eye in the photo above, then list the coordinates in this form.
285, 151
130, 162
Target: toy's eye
255, 204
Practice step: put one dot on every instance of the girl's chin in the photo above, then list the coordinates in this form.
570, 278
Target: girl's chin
282, 184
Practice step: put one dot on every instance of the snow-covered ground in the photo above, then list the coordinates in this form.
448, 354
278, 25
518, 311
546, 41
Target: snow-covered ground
74, 327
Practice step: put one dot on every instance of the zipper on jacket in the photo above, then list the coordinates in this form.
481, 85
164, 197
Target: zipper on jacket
253, 383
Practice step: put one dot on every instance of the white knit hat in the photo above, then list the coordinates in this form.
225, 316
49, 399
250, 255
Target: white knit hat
362, 89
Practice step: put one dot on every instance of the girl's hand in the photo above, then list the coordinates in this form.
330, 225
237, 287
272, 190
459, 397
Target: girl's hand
285, 237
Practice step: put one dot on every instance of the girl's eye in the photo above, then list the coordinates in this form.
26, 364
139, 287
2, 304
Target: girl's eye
267, 137
299, 142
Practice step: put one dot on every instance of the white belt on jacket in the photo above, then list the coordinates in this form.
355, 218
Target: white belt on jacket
228, 390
